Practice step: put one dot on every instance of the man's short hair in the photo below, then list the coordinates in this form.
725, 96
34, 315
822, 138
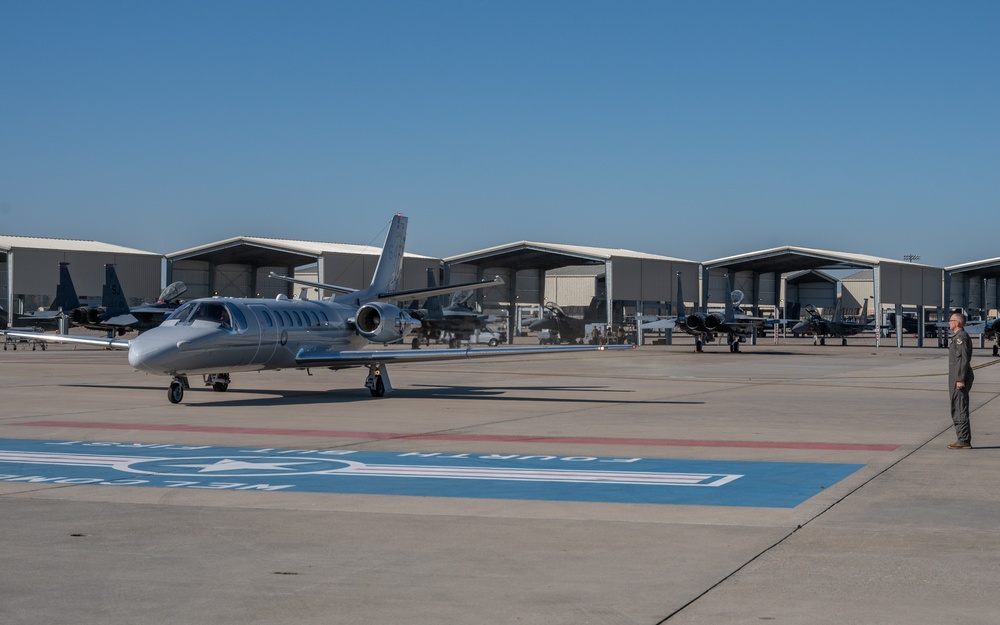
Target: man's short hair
960, 315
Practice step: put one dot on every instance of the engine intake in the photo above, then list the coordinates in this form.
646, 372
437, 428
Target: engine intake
384, 323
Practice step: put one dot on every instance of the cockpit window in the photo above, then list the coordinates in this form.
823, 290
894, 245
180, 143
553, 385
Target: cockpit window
239, 319
216, 312
182, 314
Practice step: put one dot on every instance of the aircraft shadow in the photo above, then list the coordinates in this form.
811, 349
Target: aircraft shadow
274, 397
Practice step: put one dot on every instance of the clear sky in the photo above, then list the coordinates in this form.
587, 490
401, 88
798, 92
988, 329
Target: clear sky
689, 129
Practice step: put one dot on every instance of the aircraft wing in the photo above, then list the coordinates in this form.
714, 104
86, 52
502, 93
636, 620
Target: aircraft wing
660, 324
336, 360
69, 338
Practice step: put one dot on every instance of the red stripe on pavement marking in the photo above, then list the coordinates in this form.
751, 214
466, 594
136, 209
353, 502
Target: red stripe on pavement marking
461, 437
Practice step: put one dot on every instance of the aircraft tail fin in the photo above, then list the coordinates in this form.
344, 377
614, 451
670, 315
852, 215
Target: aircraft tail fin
112, 296
433, 303
730, 305
838, 312
66, 298
389, 269
680, 298
864, 313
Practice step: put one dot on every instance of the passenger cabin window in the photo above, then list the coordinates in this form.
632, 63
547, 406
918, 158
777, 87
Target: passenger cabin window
267, 318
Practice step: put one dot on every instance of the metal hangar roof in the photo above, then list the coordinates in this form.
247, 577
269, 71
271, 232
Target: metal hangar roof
791, 258
264, 252
545, 256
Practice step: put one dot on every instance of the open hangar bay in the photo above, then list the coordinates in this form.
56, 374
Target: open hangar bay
905, 534
629, 283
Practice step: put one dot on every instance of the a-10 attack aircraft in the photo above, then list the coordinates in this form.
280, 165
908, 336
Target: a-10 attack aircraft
216, 337
737, 326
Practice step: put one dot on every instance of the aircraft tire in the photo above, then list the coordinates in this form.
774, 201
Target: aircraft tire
379, 390
176, 392
220, 387
996, 350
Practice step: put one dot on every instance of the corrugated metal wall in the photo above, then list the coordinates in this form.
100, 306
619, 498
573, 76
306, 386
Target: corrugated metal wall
36, 273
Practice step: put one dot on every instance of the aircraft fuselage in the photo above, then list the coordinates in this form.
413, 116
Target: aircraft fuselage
232, 335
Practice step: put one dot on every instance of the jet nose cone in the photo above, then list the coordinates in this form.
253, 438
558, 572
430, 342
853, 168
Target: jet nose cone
151, 352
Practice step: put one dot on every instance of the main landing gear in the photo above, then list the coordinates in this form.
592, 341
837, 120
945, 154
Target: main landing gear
377, 381
218, 381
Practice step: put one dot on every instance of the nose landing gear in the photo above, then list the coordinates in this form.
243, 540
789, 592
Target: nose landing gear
175, 393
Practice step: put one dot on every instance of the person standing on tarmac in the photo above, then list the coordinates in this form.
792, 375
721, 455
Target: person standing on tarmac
960, 377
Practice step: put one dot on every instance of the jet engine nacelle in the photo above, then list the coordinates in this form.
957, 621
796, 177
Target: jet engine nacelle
79, 315
96, 315
384, 323
713, 321
696, 321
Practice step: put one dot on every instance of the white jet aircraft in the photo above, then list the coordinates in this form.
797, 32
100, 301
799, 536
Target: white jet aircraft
215, 337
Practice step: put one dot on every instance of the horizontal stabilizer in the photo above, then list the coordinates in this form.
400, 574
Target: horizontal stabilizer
440, 290
318, 285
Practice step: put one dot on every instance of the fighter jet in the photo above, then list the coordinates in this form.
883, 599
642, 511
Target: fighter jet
992, 333
458, 320
736, 325
821, 328
562, 327
65, 301
116, 316
216, 337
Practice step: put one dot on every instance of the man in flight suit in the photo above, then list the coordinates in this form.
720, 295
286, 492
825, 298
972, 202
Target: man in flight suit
960, 379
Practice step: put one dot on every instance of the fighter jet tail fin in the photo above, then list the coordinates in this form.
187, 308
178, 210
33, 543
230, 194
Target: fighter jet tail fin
66, 298
112, 296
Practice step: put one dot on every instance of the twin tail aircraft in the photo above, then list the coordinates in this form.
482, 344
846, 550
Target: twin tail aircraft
216, 337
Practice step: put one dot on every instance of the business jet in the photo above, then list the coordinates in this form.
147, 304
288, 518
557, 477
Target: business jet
216, 337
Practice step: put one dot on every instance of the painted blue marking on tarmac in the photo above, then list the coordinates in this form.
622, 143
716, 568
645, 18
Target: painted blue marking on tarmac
489, 476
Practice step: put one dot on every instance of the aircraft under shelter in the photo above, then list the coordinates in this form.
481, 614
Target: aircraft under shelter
896, 285
29, 271
626, 283
240, 267
975, 288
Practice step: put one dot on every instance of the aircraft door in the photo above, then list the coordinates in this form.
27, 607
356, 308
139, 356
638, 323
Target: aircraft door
269, 332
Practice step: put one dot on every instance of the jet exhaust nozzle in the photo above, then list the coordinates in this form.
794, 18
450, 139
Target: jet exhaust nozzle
713, 321
695, 322
95, 315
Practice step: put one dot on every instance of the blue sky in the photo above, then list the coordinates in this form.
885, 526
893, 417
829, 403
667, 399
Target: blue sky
690, 129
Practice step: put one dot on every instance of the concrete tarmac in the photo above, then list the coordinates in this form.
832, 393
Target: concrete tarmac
909, 538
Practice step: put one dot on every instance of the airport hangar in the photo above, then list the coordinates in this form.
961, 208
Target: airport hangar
973, 287
631, 283
239, 267
761, 275
29, 271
